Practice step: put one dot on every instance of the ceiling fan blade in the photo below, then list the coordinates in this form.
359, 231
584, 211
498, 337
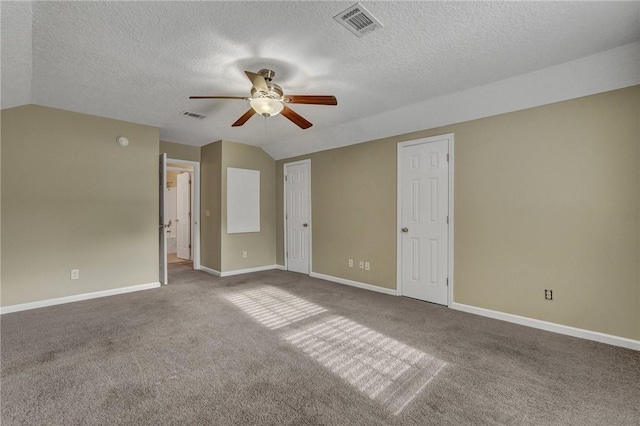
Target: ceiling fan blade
311, 99
217, 97
258, 81
297, 119
247, 115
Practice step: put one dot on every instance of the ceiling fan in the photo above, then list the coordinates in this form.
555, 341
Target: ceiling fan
268, 99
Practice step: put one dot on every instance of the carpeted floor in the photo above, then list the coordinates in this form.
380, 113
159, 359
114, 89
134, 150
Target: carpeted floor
173, 258
282, 348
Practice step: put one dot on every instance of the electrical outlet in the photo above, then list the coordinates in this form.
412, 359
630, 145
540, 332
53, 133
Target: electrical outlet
207, 213
548, 295
75, 274
361, 264
367, 266
350, 263
244, 254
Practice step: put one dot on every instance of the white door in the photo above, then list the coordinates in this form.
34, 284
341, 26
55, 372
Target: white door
298, 216
162, 216
424, 229
183, 216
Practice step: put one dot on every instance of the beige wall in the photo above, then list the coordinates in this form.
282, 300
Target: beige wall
221, 251
353, 211
179, 151
172, 175
260, 246
547, 197
172, 179
210, 195
73, 199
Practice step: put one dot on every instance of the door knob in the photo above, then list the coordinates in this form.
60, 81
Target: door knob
405, 229
305, 224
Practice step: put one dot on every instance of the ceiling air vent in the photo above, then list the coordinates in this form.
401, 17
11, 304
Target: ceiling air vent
358, 20
193, 115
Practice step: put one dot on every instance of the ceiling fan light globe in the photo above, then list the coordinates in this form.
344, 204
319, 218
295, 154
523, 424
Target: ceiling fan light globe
266, 107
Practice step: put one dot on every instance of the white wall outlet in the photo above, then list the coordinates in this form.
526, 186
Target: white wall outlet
361, 264
207, 213
244, 254
75, 274
367, 266
350, 263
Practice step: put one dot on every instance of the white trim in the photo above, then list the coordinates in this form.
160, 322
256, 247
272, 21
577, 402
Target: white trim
351, 283
602, 72
451, 218
179, 169
241, 271
450, 260
76, 298
550, 326
249, 270
284, 214
163, 274
209, 271
195, 213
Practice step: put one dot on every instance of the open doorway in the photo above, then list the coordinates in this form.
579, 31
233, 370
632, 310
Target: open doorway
181, 205
179, 199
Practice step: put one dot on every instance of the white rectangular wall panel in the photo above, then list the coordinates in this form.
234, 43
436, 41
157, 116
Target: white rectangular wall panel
243, 200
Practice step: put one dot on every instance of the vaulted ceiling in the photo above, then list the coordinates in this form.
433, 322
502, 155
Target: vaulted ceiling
140, 61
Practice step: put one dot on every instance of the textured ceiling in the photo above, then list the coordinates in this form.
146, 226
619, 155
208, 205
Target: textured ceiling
140, 61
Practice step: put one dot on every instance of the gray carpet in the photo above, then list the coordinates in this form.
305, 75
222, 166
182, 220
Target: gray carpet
281, 348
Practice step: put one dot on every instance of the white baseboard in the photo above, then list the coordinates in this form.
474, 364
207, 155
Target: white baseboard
76, 298
280, 267
210, 271
240, 271
550, 326
365, 286
249, 270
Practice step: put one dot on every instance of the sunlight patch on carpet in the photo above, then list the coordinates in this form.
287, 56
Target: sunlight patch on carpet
274, 308
382, 368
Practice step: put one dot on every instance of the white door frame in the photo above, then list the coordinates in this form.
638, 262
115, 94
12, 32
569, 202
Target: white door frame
163, 275
180, 207
191, 197
401, 145
195, 211
284, 213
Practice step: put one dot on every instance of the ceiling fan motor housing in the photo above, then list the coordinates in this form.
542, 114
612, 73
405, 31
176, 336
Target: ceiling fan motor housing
267, 99
275, 92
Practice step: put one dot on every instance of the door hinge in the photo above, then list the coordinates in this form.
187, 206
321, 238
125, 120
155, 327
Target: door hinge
285, 177
447, 282
189, 245
447, 220
190, 216
447, 157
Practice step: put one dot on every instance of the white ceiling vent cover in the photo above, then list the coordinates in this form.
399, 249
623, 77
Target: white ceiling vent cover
193, 115
358, 20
